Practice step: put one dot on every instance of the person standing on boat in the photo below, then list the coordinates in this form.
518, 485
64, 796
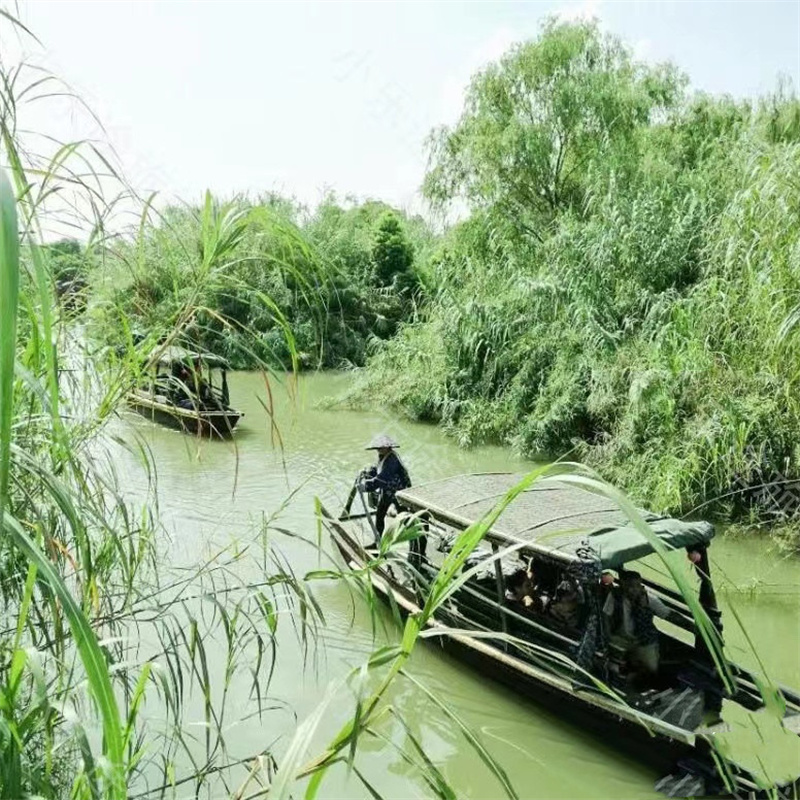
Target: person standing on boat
386, 478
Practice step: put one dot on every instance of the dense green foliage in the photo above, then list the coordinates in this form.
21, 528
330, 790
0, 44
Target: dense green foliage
67, 260
96, 628
619, 288
618, 291
334, 279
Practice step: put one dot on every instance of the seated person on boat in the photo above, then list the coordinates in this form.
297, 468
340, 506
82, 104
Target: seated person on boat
178, 387
190, 390
629, 612
568, 602
202, 389
564, 604
522, 587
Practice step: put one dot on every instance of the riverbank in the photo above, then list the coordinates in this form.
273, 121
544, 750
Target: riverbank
780, 534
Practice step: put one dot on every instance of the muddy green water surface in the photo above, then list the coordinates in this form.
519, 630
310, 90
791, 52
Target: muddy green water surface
211, 493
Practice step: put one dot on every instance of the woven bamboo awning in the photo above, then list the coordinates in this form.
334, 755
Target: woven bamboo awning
550, 516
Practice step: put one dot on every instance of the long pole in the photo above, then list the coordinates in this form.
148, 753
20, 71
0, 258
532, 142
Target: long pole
349, 504
366, 511
501, 595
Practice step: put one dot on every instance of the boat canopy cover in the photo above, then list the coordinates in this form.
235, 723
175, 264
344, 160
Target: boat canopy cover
551, 517
175, 354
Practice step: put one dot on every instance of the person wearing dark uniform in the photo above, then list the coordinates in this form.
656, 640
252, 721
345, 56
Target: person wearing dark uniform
386, 478
630, 614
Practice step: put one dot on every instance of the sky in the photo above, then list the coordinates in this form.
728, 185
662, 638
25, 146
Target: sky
303, 98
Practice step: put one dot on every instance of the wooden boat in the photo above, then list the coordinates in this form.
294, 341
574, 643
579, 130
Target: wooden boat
556, 530
168, 393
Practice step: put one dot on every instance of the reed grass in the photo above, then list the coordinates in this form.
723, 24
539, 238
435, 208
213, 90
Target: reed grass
9, 294
317, 276
84, 711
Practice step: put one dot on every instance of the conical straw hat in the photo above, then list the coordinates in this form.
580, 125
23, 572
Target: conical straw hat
380, 441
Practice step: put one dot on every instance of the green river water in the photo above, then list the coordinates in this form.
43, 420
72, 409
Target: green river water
211, 493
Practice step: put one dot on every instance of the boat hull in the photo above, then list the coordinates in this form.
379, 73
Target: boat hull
216, 424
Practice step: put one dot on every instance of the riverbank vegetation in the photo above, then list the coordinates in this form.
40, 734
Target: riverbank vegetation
625, 287
335, 278
623, 290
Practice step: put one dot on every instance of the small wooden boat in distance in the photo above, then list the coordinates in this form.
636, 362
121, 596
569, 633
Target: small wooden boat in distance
557, 535
186, 390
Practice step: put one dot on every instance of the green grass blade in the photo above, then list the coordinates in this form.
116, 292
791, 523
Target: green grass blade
478, 746
281, 788
14, 21
85, 640
9, 297
91, 655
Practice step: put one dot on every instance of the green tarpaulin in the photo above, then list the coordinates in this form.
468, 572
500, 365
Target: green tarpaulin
618, 545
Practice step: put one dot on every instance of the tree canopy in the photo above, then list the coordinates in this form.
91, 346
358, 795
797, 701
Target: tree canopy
535, 123
392, 253
625, 288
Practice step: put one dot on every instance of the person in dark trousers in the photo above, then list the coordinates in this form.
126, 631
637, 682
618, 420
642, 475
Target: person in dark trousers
386, 478
629, 614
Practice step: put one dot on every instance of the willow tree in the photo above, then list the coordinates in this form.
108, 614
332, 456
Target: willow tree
538, 121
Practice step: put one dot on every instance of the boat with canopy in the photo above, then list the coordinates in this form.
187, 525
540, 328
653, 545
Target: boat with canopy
186, 390
565, 539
